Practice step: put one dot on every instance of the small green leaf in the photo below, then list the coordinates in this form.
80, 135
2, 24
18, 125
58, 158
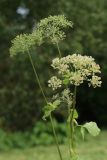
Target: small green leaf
75, 115
50, 107
56, 102
47, 111
92, 128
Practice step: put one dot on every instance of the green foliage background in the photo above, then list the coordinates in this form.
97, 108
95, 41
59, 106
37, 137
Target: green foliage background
20, 100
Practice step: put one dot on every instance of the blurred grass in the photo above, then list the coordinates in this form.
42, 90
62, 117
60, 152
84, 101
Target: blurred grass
91, 149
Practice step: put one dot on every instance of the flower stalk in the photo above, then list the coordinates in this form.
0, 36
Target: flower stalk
43, 94
71, 121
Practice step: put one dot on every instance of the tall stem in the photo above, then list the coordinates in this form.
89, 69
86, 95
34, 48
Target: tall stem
71, 121
36, 75
55, 136
69, 132
38, 80
69, 125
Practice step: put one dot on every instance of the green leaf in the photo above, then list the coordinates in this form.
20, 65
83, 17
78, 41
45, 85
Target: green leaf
75, 115
82, 130
75, 157
56, 102
92, 128
50, 107
47, 111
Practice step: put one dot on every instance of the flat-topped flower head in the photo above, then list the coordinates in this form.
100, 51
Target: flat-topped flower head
75, 69
19, 44
24, 42
52, 28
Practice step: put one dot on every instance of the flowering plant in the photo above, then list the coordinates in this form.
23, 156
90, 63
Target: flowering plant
71, 72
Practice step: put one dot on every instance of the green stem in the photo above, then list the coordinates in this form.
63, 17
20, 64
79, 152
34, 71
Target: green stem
55, 136
58, 50
71, 121
69, 133
69, 125
53, 128
36, 75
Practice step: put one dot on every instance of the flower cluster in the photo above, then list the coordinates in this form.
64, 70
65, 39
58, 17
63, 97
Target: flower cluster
75, 69
24, 42
95, 81
54, 82
50, 28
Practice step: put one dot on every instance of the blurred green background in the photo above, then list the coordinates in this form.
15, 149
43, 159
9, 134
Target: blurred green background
21, 102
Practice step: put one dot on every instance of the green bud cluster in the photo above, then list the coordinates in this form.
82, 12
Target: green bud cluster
50, 29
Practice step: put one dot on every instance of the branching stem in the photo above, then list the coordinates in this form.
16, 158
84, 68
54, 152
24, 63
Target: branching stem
51, 120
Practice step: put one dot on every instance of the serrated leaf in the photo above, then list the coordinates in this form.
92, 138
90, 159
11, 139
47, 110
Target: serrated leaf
92, 128
47, 112
50, 107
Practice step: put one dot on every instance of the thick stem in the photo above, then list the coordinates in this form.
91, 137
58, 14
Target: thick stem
71, 121
69, 133
38, 80
69, 128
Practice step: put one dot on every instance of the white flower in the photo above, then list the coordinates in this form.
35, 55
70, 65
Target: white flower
95, 68
95, 81
72, 71
54, 82
75, 69
55, 63
60, 65
76, 79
